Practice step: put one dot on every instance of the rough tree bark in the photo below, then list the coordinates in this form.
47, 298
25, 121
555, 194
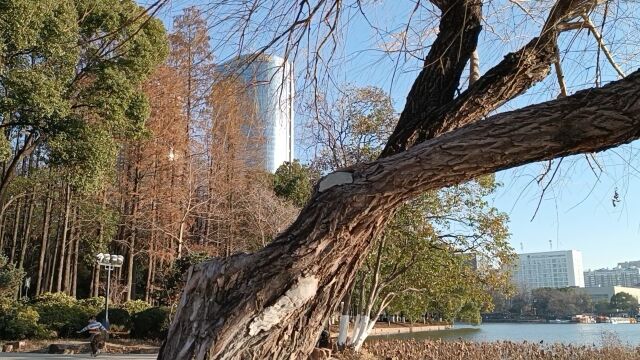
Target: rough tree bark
272, 303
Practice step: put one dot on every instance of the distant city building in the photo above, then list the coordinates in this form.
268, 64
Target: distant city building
270, 83
604, 294
629, 277
629, 264
478, 261
553, 269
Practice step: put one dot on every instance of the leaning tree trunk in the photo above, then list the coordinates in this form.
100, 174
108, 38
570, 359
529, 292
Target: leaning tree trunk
272, 304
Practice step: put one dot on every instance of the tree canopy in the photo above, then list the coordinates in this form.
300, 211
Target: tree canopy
624, 301
560, 303
71, 76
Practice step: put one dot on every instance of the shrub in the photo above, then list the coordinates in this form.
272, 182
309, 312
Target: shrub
151, 323
19, 321
10, 277
61, 313
119, 318
92, 305
135, 306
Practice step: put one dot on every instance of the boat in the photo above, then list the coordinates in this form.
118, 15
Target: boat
619, 320
559, 321
583, 319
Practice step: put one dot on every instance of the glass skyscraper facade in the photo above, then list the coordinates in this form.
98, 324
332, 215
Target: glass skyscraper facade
270, 85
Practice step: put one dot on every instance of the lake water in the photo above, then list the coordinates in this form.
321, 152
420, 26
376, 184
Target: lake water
583, 334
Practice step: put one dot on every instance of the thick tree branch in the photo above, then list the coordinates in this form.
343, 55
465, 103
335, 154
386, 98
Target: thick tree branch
436, 84
516, 73
590, 120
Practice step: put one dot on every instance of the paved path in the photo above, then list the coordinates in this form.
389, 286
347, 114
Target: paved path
28, 356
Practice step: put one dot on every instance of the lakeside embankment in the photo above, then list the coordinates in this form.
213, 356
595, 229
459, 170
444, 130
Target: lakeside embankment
381, 331
455, 350
384, 329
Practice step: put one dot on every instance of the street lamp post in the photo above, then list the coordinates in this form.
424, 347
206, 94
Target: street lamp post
109, 262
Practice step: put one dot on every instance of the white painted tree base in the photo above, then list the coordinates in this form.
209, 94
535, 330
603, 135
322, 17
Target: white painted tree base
343, 330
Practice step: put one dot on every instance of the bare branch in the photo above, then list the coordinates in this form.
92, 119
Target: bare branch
559, 74
602, 45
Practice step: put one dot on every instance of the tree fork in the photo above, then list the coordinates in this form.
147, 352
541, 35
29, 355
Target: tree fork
516, 73
271, 304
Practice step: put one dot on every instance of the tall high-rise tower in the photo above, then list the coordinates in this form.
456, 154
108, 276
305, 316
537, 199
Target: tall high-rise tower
270, 85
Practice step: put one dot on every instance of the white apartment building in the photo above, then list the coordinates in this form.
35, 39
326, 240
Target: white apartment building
554, 269
628, 277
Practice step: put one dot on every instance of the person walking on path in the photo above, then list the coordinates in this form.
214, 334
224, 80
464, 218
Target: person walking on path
95, 328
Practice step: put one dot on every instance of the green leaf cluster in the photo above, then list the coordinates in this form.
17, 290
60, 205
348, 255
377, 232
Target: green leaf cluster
19, 321
71, 74
624, 301
293, 182
452, 245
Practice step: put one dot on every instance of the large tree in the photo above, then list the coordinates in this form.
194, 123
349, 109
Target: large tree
273, 303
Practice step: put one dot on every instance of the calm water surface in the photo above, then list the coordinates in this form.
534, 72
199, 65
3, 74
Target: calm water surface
583, 334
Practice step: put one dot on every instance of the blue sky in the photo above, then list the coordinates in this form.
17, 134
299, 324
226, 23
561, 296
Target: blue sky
576, 209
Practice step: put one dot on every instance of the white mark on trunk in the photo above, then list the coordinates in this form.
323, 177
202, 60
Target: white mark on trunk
335, 179
356, 327
294, 298
360, 330
344, 329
